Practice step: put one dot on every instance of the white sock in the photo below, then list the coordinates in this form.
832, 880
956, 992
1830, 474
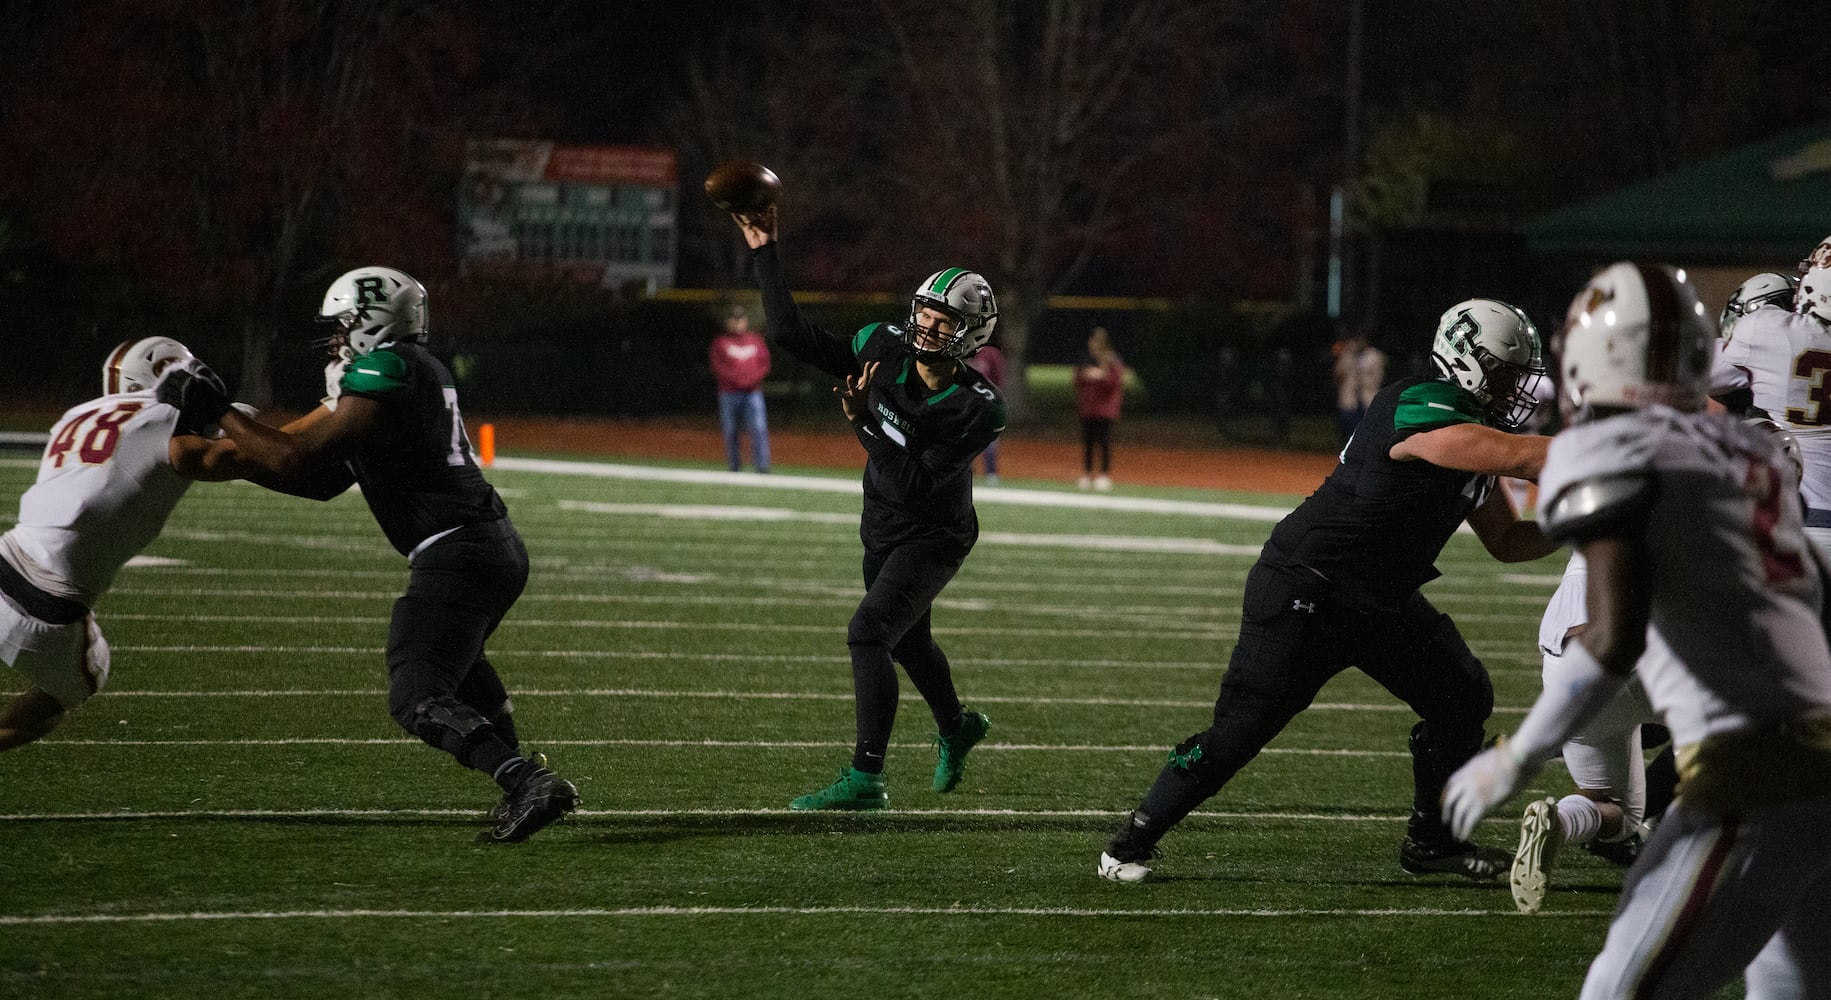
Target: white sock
1580, 819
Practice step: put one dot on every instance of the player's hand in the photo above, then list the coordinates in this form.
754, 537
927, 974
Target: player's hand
853, 394
196, 392
758, 227
333, 377
1478, 786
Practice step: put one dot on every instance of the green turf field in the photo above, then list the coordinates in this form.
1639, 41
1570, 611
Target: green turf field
237, 815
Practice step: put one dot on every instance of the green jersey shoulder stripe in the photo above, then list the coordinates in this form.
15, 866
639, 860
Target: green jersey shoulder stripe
1430, 405
376, 373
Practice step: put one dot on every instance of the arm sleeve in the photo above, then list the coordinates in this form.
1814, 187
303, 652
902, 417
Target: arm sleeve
919, 472
789, 329
327, 482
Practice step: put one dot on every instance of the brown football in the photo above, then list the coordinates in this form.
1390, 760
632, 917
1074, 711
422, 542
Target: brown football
743, 187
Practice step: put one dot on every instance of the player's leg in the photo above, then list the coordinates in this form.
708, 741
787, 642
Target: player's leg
1286, 651
1088, 433
957, 730
1706, 898
900, 584
1417, 654
458, 592
30, 715
64, 663
482, 690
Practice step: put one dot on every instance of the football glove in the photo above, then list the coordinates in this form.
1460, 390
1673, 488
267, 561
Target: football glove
1478, 786
197, 393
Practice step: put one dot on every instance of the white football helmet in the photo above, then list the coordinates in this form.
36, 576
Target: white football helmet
964, 297
1769, 288
135, 365
373, 307
1492, 350
1814, 295
1636, 335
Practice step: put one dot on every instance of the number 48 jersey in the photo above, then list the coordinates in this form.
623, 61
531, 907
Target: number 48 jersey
1784, 360
105, 488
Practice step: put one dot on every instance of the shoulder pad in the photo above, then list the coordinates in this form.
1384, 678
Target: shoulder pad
863, 337
1430, 405
375, 373
1598, 506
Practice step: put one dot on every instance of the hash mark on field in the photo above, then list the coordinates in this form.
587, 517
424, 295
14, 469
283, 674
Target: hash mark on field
766, 911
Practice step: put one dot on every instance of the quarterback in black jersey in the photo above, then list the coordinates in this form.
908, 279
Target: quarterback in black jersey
922, 416
1337, 586
390, 423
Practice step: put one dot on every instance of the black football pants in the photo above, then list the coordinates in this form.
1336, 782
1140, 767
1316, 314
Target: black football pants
1294, 637
892, 623
442, 688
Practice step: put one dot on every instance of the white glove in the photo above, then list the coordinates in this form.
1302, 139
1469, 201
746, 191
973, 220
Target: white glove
1478, 786
333, 377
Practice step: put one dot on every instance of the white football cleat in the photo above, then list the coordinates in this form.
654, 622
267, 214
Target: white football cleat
1114, 870
1539, 839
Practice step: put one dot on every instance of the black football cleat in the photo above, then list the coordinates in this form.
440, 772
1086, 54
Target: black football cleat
536, 802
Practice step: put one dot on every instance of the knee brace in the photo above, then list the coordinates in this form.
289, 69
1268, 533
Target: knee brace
446, 723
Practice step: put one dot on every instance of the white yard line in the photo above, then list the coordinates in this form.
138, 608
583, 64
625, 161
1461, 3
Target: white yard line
765, 911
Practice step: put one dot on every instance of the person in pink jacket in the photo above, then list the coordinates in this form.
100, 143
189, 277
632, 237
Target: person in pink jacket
1099, 388
740, 362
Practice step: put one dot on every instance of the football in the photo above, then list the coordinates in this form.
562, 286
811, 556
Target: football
743, 187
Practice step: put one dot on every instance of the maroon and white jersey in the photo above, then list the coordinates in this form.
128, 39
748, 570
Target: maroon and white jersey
1736, 594
1784, 360
105, 487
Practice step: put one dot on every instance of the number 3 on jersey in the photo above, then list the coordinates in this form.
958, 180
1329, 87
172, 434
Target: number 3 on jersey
99, 444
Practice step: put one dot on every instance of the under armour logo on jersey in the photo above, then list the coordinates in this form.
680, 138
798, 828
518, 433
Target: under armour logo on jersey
1307, 607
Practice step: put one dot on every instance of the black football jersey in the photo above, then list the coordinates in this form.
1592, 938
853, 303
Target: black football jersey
415, 466
921, 442
1375, 526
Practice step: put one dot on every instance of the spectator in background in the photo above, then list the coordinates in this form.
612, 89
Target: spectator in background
990, 362
740, 362
1360, 370
1099, 388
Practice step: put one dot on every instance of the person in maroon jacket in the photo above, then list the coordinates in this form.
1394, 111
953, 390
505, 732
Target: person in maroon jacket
740, 362
1099, 387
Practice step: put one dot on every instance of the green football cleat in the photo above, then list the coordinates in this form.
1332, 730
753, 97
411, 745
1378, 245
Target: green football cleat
855, 790
953, 749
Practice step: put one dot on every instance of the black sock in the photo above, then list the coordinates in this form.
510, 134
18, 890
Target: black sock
510, 773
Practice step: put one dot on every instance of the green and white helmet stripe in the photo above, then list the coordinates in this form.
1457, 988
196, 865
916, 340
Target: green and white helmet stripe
963, 296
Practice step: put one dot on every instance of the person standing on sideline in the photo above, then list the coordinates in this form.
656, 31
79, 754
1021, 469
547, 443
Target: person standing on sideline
1337, 585
1360, 371
111, 474
1099, 389
922, 416
1694, 540
390, 424
740, 362
990, 362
